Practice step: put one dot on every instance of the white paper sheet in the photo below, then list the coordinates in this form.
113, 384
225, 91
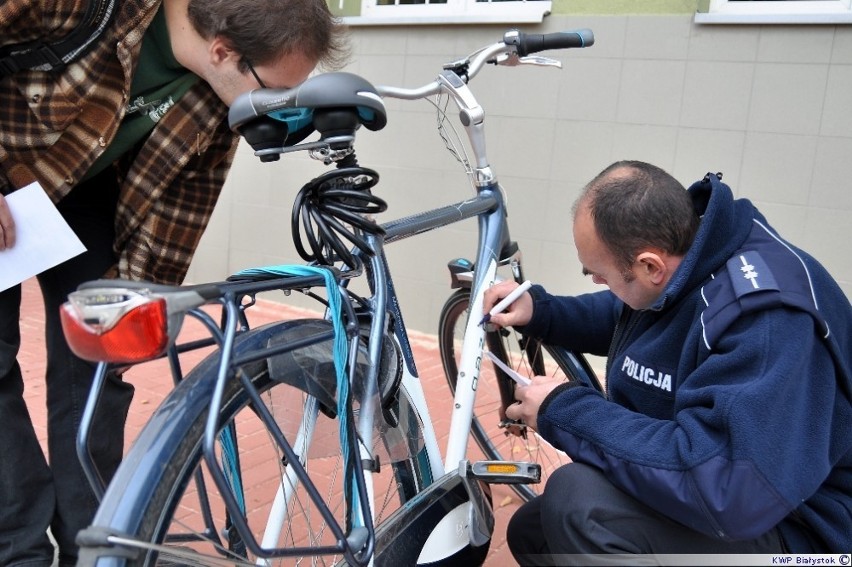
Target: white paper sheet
43, 238
522, 380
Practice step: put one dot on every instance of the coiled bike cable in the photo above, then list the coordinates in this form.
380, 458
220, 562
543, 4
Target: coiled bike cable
332, 208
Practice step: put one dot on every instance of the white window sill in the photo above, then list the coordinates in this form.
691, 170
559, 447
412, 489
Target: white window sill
476, 13
718, 18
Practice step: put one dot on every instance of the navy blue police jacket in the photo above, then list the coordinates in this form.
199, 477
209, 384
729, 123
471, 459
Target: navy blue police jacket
728, 401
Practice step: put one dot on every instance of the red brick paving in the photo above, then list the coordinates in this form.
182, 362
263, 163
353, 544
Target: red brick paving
153, 382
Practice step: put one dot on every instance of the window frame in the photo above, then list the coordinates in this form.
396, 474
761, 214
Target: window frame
776, 12
452, 12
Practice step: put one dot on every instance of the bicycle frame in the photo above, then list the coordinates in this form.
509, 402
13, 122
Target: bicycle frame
489, 207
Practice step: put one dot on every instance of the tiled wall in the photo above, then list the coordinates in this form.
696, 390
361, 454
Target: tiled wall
769, 106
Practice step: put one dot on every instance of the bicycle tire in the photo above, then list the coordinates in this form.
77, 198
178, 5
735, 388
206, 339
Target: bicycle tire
143, 502
495, 442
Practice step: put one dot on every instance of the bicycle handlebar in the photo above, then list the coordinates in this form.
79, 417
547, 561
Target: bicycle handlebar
514, 42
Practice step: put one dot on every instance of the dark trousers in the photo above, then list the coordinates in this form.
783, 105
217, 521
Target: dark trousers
582, 515
35, 495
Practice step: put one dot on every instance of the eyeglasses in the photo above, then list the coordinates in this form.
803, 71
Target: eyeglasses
254, 73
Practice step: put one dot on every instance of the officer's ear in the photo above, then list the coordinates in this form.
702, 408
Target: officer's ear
653, 267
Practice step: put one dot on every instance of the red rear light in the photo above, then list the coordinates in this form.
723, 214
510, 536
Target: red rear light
115, 326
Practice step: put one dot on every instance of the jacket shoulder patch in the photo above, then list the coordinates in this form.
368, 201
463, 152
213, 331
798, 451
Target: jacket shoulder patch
749, 273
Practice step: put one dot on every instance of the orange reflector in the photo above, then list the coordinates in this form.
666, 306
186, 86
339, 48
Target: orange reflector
503, 468
140, 334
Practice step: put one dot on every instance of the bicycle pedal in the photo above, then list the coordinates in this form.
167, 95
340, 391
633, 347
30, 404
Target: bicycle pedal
506, 472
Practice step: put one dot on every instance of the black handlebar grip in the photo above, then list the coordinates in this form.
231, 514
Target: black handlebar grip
534, 42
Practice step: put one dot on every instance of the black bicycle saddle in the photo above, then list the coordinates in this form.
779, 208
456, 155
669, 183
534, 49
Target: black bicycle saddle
297, 107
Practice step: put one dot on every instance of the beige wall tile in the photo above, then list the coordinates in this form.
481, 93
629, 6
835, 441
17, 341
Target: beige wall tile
657, 37
588, 89
700, 151
787, 98
716, 95
801, 44
777, 168
841, 52
651, 91
837, 112
724, 43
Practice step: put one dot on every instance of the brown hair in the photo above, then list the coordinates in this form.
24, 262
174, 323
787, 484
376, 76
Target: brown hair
262, 31
637, 205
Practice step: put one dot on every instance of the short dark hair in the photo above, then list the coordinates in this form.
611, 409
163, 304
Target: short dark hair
262, 31
637, 205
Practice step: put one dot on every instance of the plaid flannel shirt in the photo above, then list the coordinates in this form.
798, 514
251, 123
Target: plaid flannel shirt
54, 126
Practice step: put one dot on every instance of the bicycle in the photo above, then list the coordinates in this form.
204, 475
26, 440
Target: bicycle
340, 391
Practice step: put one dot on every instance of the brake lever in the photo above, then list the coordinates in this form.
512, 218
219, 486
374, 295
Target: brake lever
512, 60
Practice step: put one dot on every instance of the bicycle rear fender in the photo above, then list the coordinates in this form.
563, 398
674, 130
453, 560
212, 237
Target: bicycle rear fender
449, 502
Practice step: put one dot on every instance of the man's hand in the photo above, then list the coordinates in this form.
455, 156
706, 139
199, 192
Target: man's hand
7, 225
530, 399
517, 314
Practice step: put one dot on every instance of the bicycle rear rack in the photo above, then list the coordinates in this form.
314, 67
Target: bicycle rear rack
237, 351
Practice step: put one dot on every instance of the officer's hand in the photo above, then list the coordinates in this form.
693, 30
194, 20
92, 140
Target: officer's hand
530, 399
7, 225
517, 314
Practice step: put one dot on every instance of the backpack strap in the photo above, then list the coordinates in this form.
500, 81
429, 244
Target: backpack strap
39, 55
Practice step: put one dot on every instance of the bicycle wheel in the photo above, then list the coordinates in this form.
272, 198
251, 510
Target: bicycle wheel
489, 426
162, 503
